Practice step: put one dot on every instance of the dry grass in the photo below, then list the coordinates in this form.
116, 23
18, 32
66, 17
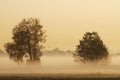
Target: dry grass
60, 77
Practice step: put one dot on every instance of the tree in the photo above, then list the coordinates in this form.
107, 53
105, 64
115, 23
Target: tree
91, 48
28, 38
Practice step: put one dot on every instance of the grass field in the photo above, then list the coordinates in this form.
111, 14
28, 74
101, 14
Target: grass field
60, 77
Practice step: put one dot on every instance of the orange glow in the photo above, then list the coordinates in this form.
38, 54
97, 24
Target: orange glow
64, 20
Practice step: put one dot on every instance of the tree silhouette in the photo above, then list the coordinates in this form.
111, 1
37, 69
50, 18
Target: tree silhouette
28, 38
91, 48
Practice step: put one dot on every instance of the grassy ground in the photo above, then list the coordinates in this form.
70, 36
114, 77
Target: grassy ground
59, 77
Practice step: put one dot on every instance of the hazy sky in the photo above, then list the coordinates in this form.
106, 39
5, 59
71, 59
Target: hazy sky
64, 20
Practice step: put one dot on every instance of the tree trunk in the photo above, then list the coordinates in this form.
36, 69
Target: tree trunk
29, 46
35, 38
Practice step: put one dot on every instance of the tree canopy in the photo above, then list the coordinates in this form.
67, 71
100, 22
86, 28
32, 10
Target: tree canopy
91, 48
28, 38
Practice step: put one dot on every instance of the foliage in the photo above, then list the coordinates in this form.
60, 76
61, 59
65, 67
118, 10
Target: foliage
91, 48
28, 38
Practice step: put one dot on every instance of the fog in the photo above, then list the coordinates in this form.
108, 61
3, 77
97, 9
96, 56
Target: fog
58, 65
